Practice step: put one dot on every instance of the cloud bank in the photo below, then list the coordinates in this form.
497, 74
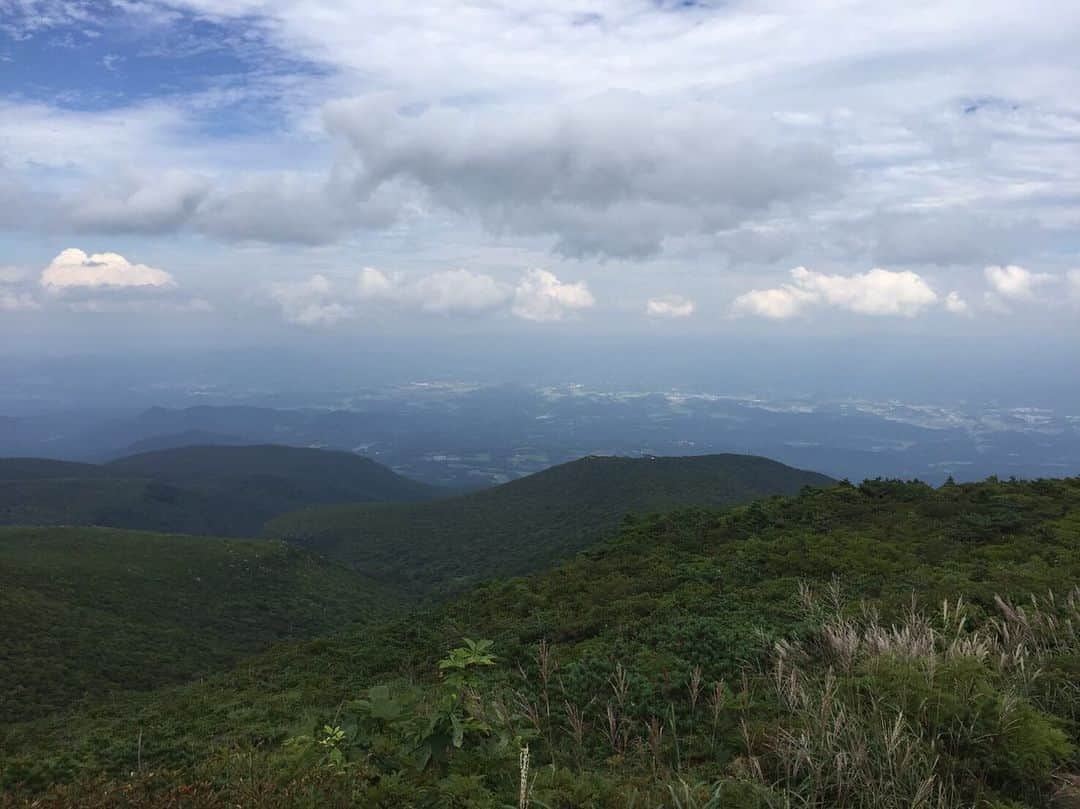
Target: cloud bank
538, 296
877, 292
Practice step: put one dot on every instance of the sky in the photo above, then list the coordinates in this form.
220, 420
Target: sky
562, 178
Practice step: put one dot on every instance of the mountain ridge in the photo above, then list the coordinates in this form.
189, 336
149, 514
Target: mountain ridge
210, 489
531, 522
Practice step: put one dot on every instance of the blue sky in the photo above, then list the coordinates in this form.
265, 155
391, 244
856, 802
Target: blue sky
313, 170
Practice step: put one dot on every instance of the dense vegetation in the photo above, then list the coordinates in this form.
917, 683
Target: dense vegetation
699, 658
85, 611
213, 490
530, 523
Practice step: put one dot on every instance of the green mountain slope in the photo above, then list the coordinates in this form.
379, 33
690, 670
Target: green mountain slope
213, 490
46, 469
85, 611
530, 523
685, 660
275, 471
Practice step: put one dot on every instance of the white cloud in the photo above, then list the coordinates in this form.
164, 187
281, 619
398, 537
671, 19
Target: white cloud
541, 296
877, 292
375, 284
777, 304
75, 270
1073, 277
669, 306
538, 296
956, 304
458, 291
1014, 283
312, 302
446, 292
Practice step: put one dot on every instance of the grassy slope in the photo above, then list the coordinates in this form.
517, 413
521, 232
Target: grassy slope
210, 490
89, 610
694, 588
530, 523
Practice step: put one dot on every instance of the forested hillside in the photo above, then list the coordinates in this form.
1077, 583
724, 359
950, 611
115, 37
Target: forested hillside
87, 611
530, 523
885, 645
213, 490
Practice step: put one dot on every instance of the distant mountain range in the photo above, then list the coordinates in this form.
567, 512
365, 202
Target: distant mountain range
473, 436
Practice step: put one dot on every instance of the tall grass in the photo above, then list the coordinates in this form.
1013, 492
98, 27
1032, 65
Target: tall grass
928, 712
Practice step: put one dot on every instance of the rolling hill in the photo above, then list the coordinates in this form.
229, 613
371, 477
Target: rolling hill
293, 472
47, 469
220, 490
765, 656
529, 523
87, 611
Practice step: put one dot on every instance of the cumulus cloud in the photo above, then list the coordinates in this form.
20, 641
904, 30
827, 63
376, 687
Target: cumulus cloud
616, 174
458, 291
777, 304
669, 306
956, 304
541, 296
877, 292
311, 302
140, 204
73, 269
1015, 283
447, 292
375, 284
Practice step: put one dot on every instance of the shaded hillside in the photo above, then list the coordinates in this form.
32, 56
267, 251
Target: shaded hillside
802, 697
278, 471
529, 523
124, 503
227, 490
84, 611
47, 469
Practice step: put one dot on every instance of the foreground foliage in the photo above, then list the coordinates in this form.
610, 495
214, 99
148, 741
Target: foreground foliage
770, 656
